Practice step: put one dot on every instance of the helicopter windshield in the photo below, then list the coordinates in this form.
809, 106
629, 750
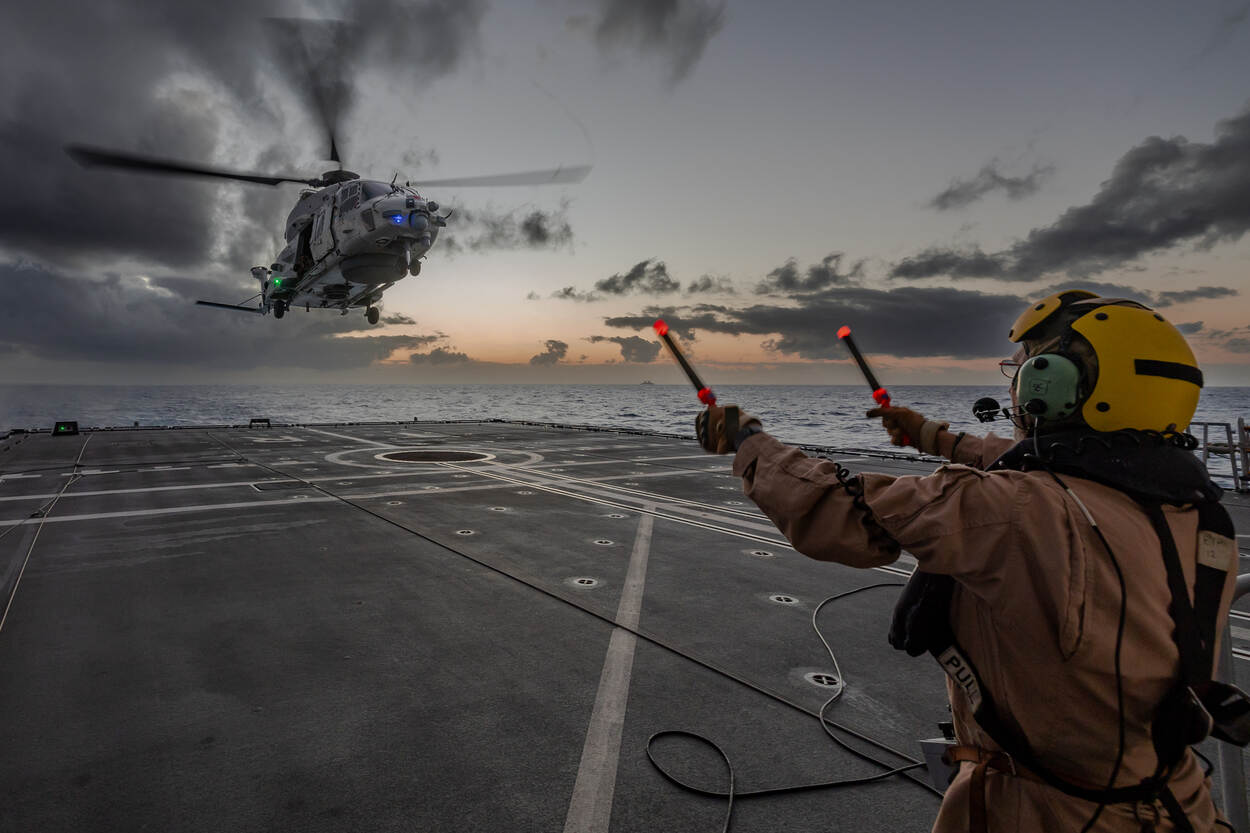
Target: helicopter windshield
373, 190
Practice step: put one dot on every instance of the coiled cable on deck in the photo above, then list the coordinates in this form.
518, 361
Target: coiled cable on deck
828, 725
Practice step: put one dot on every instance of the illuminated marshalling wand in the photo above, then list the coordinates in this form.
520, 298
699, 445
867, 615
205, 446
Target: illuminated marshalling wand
879, 393
705, 393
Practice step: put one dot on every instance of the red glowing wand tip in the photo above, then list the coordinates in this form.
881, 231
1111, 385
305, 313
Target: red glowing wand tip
844, 332
660, 327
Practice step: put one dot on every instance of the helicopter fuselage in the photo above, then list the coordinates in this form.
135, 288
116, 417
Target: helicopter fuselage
346, 244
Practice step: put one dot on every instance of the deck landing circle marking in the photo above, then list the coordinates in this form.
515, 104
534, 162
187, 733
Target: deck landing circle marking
441, 455
822, 679
464, 532
603, 542
384, 459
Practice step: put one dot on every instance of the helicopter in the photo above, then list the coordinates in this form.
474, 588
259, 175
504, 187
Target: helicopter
348, 239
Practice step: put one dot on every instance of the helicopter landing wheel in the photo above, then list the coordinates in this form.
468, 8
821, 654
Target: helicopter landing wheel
279, 309
372, 315
414, 268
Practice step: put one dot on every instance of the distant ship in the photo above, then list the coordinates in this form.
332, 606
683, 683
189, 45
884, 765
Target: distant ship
646, 382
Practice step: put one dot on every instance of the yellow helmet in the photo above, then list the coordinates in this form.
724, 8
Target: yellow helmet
1135, 369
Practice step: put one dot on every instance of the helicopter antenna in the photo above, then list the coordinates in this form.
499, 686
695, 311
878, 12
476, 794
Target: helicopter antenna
394, 178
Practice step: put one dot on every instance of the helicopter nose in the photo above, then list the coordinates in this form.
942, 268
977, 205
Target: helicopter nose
418, 221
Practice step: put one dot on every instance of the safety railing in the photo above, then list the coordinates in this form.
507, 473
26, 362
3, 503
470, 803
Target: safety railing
1232, 764
1234, 448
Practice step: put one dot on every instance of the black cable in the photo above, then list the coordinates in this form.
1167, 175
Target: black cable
1119, 633
731, 794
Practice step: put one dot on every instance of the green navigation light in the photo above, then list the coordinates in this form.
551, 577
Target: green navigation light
277, 281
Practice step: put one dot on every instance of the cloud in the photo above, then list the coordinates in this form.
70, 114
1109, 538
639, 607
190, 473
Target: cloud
154, 321
1161, 194
786, 279
398, 318
914, 321
676, 30
440, 355
648, 276
957, 263
534, 296
1181, 296
1151, 299
708, 285
555, 351
963, 192
570, 293
487, 229
1240, 344
633, 348
201, 81
1190, 327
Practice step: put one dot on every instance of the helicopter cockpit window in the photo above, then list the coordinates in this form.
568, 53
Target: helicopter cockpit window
373, 190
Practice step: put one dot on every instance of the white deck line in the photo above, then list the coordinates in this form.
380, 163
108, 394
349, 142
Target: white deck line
590, 809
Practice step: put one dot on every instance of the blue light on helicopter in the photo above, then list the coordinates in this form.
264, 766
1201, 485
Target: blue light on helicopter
396, 217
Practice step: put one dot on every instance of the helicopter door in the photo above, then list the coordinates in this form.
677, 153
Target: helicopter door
322, 237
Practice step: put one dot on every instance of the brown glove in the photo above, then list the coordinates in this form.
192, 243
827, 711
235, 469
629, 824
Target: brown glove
907, 427
717, 427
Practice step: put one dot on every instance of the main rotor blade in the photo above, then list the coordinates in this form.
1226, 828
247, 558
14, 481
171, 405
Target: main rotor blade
256, 310
315, 54
92, 157
554, 176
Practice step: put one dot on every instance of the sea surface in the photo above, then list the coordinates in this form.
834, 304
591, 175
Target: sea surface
808, 414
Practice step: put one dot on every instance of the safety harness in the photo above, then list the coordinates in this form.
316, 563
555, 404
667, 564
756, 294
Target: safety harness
1153, 471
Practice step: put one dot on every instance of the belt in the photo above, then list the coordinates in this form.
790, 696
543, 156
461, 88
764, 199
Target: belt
986, 759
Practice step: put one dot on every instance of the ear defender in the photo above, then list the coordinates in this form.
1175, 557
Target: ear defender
1047, 386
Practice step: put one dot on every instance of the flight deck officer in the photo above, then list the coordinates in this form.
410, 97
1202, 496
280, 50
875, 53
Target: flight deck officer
1035, 604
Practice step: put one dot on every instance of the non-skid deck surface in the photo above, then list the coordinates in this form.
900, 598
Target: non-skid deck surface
302, 628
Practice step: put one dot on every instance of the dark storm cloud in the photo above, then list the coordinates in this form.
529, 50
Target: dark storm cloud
957, 263
440, 355
556, 350
155, 321
486, 229
1151, 299
1161, 194
902, 322
1106, 290
633, 348
676, 30
398, 318
963, 192
1181, 296
570, 293
787, 279
647, 277
186, 81
708, 285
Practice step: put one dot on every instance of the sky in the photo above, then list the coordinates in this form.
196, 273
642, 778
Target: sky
763, 173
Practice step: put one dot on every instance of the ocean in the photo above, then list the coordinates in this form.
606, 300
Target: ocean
808, 414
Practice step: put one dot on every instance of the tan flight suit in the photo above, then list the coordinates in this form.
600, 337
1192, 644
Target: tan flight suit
1036, 609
